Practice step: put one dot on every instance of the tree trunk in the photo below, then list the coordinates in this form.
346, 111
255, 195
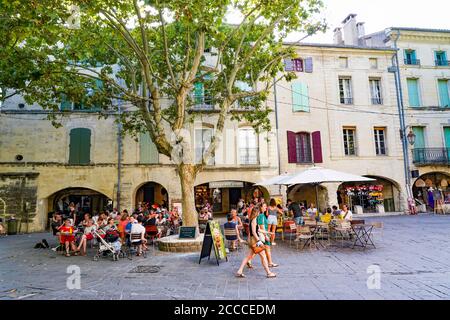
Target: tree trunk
187, 179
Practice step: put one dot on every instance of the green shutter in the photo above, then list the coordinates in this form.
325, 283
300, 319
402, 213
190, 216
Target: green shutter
80, 146
444, 96
198, 93
148, 151
300, 97
65, 104
413, 92
420, 137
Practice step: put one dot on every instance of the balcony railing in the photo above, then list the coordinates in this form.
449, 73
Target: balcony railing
431, 156
249, 156
346, 100
377, 101
412, 62
441, 63
202, 103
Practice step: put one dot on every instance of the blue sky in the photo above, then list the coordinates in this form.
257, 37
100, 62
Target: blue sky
380, 14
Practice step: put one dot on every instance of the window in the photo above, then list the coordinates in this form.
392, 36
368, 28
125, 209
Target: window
420, 137
304, 148
349, 141
295, 65
299, 65
441, 58
343, 62
410, 57
444, 92
80, 146
413, 92
147, 150
373, 62
202, 98
375, 91
300, 97
203, 139
380, 141
248, 146
67, 105
345, 90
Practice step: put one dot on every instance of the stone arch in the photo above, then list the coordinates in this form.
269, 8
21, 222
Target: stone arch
141, 194
425, 197
368, 195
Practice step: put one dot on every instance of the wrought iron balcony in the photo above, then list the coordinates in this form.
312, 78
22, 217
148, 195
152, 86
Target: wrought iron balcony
442, 63
249, 156
377, 101
412, 62
202, 103
346, 100
431, 156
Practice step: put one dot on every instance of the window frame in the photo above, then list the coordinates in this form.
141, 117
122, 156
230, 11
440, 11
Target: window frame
377, 141
346, 100
247, 147
345, 139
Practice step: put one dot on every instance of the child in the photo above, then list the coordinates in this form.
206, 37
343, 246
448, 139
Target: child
68, 237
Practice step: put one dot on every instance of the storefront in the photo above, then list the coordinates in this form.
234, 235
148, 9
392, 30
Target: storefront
431, 189
85, 200
223, 196
151, 193
369, 196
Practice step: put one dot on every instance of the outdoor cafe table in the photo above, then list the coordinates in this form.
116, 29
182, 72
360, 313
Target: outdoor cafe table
363, 235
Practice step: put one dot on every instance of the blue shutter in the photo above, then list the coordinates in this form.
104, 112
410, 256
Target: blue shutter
300, 98
288, 65
308, 65
444, 96
413, 92
66, 105
198, 93
420, 137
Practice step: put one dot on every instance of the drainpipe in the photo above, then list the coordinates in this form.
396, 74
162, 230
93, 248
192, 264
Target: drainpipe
119, 152
401, 112
277, 126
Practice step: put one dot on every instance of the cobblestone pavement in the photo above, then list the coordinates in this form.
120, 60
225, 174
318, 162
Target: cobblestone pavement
412, 252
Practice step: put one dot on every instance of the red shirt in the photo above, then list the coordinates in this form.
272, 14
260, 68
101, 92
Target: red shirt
65, 229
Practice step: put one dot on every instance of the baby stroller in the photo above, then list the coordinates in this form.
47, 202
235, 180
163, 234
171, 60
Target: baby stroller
110, 245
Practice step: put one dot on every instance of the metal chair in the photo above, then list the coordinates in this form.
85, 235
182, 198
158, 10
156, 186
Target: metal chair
378, 227
279, 228
342, 231
305, 236
133, 245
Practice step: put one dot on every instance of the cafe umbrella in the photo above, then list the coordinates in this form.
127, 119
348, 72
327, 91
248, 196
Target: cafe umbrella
314, 176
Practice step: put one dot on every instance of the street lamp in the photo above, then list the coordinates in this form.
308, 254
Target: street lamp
411, 137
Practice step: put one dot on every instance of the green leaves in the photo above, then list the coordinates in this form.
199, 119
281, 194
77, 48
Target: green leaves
147, 54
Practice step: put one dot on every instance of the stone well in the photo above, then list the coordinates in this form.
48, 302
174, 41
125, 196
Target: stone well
175, 244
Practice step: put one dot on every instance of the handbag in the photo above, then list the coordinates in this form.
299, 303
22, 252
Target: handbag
257, 249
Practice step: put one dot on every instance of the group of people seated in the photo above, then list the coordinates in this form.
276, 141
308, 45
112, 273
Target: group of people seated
73, 235
298, 212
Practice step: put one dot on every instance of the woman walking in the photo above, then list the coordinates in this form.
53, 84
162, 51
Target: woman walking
256, 246
272, 219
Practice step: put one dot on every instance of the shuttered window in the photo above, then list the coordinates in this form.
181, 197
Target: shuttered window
304, 147
80, 146
413, 92
300, 97
349, 141
147, 149
299, 65
444, 95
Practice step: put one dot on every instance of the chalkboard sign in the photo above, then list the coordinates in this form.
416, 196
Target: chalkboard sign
188, 232
213, 238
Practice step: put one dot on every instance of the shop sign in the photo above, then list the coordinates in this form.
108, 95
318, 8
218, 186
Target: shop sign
226, 184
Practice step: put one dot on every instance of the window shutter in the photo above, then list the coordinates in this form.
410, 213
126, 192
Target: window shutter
147, 149
80, 146
444, 95
300, 98
292, 147
288, 65
85, 146
65, 104
317, 147
308, 65
198, 93
413, 92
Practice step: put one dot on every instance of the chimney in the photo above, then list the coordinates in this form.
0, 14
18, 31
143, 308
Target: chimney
337, 37
350, 30
361, 29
